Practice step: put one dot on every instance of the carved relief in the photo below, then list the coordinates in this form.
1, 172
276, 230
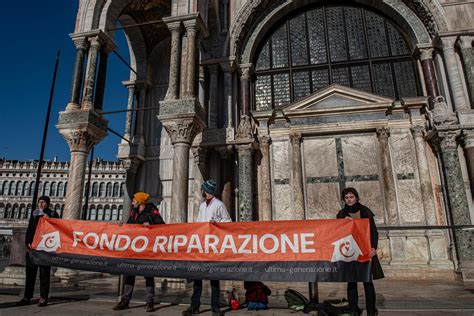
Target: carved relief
245, 129
426, 11
182, 131
448, 140
81, 140
440, 115
383, 133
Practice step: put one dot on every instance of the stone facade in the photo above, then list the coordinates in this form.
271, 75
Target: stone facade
247, 93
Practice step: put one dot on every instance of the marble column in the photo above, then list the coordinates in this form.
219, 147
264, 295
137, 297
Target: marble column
191, 30
173, 87
265, 206
182, 133
245, 156
101, 79
455, 78
228, 68
387, 176
200, 173
296, 180
456, 191
424, 175
226, 176
467, 52
129, 115
429, 72
141, 91
245, 70
77, 74
213, 111
91, 69
80, 143
468, 144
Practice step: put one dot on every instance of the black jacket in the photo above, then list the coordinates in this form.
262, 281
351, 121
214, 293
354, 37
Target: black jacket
150, 214
34, 219
365, 212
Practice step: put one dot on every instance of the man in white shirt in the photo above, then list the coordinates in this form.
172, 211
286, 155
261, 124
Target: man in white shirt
212, 210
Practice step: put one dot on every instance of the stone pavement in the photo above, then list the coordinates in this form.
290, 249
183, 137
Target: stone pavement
97, 296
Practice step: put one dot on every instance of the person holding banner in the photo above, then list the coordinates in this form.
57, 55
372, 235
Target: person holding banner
212, 210
146, 214
354, 210
42, 210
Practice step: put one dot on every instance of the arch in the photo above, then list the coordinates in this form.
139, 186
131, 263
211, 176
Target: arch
116, 189
107, 213
102, 189
108, 189
32, 188
53, 190
4, 188
95, 189
24, 189
22, 213
46, 188
28, 210
100, 213
60, 189
261, 17
92, 213
65, 188
120, 212
15, 211
122, 189
18, 187
8, 210
114, 215
11, 188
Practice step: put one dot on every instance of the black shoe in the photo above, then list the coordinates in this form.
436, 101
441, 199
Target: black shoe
23, 302
191, 311
216, 312
123, 304
150, 307
373, 314
42, 302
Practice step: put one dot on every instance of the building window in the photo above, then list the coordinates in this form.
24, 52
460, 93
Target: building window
102, 189
53, 189
346, 45
114, 213
109, 189
61, 189
95, 189
116, 189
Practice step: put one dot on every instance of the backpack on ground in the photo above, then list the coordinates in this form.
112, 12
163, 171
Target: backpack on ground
256, 295
295, 300
333, 307
233, 299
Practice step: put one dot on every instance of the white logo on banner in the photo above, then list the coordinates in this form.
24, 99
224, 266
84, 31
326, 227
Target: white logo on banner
49, 242
346, 249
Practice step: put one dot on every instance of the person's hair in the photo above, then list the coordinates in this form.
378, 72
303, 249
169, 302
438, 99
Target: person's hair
349, 190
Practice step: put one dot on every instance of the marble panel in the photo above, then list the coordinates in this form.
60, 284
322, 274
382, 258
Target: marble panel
282, 206
383, 251
417, 249
410, 205
323, 200
166, 169
166, 187
281, 163
402, 150
320, 157
438, 246
398, 248
360, 155
370, 194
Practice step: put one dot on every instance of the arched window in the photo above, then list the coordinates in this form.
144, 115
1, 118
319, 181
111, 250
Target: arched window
65, 189
347, 45
95, 189
107, 213
122, 187
25, 188
47, 189
109, 189
22, 211
15, 212
53, 189
100, 213
120, 212
2, 210
92, 213
3, 188
28, 211
116, 189
11, 188
114, 213
62, 211
61, 189
19, 185
32, 188
102, 189
8, 211
40, 188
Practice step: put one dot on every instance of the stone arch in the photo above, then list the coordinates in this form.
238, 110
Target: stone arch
257, 17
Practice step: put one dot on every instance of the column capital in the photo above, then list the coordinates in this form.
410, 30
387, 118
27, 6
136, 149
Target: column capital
448, 42
131, 164
264, 140
199, 154
245, 149
295, 138
182, 130
383, 133
80, 42
174, 26
228, 65
465, 41
426, 53
447, 140
418, 131
245, 70
468, 138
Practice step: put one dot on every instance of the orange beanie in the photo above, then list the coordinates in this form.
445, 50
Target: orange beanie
141, 197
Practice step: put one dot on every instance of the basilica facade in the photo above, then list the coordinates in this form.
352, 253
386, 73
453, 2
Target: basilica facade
285, 103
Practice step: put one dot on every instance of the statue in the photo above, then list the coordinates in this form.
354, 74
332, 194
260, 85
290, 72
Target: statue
440, 114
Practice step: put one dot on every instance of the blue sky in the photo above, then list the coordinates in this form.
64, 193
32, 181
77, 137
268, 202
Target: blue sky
32, 31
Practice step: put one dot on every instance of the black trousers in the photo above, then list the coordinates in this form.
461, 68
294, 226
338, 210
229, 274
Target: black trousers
130, 284
197, 291
353, 296
31, 271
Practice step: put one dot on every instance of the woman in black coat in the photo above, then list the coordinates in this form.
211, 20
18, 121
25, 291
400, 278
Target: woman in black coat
353, 209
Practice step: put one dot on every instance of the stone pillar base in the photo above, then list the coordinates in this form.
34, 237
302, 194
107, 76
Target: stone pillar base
466, 268
70, 276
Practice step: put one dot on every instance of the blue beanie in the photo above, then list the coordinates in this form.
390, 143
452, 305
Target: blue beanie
209, 186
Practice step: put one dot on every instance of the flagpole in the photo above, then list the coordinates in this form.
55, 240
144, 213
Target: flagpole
45, 133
